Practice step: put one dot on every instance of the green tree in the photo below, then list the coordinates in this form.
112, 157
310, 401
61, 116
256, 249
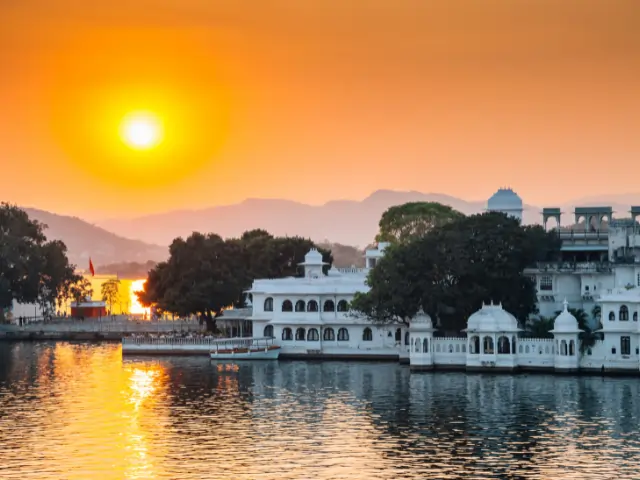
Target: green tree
110, 291
403, 223
206, 274
453, 269
539, 327
32, 269
589, 336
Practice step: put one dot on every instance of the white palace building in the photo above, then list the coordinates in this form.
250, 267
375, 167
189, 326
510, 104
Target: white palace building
309, 316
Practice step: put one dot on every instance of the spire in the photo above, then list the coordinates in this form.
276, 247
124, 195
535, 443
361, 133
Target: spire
566, 304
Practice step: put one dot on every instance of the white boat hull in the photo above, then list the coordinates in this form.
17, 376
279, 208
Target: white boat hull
261, 354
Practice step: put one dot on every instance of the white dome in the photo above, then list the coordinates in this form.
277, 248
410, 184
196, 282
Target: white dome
504, 199
421, 321
313, 257
565, 322
492, 318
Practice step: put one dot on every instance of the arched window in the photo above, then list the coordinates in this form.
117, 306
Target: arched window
300, 334
329, 306
268, 331
563, 348
612, 316
504, 347
343, 306
572, 348
287, 334
519, 348
268, 304
457, 348
450, 348
343, 335
474, 345
300, 306
398, 335
425, 345
526, 349
287, 306
546, 349
437, 347
312, 306
412, 342
635, 316
418, 345
487, 344
329, 335
367, 335
406, 338
312, 335
513, 344
624, 313
464, 348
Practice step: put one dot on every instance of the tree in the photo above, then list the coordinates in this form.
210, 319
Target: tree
589, 336
403, 223
110, 290
539, 327
453, 269
32, 269
206, 274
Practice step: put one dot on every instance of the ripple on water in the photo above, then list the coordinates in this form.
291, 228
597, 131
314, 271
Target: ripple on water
80, 412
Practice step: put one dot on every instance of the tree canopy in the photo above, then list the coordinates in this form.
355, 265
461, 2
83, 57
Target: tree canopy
451, 270
205, 274
403, 223
32, 269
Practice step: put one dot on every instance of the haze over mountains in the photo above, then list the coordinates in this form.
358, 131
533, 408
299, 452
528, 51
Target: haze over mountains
343, 221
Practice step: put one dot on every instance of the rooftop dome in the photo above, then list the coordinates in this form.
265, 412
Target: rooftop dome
421, 321
504, 199
492, 318
313, 257
565, 322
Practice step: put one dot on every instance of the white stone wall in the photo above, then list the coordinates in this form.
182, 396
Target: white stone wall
536, 352
450, 351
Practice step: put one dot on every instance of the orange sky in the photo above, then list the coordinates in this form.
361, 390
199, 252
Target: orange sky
316, 100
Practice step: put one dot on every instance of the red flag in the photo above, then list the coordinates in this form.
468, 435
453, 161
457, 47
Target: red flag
91, 269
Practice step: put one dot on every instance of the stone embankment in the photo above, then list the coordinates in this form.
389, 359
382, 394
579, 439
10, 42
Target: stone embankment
92, 330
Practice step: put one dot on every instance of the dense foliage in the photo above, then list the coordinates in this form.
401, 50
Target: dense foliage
32, 269
452, 269
410, 221
205, 274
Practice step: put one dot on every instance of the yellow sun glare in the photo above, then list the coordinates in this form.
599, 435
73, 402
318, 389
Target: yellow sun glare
141, 131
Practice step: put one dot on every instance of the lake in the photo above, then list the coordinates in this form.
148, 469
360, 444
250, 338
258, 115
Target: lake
82, 412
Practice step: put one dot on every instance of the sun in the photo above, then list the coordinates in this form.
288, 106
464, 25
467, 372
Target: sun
141, 131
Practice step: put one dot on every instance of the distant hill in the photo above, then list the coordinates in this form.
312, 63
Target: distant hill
343, 221
129, 270
84, 240
344, 255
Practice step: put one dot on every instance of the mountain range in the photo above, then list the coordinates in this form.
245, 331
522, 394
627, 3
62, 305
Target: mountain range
346, 222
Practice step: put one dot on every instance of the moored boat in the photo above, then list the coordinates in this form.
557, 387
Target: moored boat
254, 348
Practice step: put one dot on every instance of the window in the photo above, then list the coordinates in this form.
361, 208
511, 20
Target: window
612, 316
367, 335
546, 283
425, 345
638, 282
563, 348
625, 345
624, 313
343, 306
572, 348
300, 334
635, 316
586, 288
504, 347
300, 306
287, 306
312, 306
287, 334
398, 335
487, 343
329, 335
329, 306
343, 335
418, 345
406, 338
268, 305
268, 331
474, 345
313, 336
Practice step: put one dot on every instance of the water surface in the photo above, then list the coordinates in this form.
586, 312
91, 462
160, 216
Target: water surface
82, 412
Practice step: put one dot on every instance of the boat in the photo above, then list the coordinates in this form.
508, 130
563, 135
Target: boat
243, 348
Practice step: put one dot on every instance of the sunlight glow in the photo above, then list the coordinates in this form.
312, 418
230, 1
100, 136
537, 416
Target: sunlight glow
141, 131
136, 308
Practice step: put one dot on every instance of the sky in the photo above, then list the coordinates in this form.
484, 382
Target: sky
316, 100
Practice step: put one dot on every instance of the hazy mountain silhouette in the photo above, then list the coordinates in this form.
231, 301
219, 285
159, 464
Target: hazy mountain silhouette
343, 221
85, 240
